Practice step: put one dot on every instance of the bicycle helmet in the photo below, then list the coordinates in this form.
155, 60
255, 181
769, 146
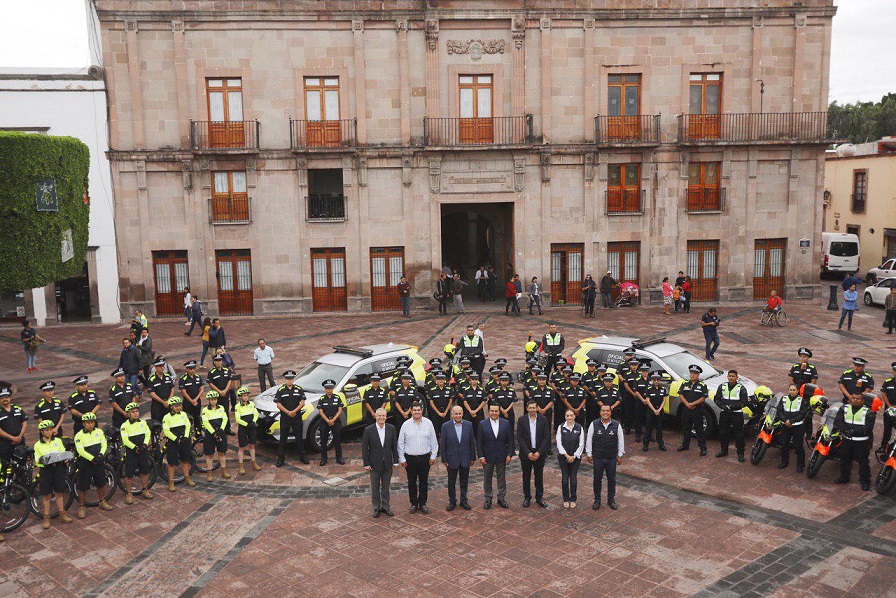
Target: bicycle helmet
243, 390
174, 401
88, 417
44, 424
132, 406
212, 394
449, 349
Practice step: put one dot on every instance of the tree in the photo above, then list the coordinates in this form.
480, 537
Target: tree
31, 243
864, 121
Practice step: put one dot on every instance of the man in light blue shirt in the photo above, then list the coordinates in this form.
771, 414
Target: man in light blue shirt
264, 357
418, 448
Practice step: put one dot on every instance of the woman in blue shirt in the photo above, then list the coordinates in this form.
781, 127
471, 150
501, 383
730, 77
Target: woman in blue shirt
850, 297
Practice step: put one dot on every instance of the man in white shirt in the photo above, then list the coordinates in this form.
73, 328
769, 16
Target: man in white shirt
495, 452
481, 282
264, 356
605, 446
418, 448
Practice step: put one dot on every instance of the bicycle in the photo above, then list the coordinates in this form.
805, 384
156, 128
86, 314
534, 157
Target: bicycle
115, 458
14, 498
157, 452
111, 479
776, 316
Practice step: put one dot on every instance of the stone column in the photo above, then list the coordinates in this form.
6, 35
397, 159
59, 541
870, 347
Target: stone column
180, 75
799, 55
40, 305
756, 64
433, 110
590, 66
134, 85
545, 92
359, 80
401, 27
518, 61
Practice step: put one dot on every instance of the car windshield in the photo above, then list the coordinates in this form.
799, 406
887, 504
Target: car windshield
679, 362
844, 249
313, 375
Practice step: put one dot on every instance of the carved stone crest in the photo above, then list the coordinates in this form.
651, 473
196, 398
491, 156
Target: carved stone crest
435, 176
476, 47
432, 34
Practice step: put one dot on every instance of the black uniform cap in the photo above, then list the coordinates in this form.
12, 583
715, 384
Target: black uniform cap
859, 361
608, 377
160, 361
117, 372
80, 380
190, 364
5, 392
576, 377
504, 376
804, 351
289, 374
377, 377
329, 383
695, 368
49, 385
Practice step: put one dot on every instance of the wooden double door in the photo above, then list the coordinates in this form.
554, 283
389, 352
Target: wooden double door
234, 274
172, 274
567, 273
768, 267
328, 291
703, 268
386, 270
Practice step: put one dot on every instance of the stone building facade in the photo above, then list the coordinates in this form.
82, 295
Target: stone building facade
296, 157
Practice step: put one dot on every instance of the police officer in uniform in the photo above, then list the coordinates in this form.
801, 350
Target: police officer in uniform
693, 394
330, 407
404, 397
640, 387
803, 372
855, 381
91, 447
429, 380
221, 379
121, 394
731, 398
13, 424
52, 475
474, 401
190, 386
178, 450
543, 395
505, 397
441, 400
214, 437
792, 414
50, 408
655, 397
493, 383
135, 436
552, 344
82, 401
374, 397
856, 423
471, 347
576, 398
290, 400
888, 395
591, 382
608, 394
246, 415
630, 399
403, 364
161, 386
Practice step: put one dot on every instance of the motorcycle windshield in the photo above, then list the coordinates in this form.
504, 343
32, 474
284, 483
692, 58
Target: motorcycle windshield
771, 407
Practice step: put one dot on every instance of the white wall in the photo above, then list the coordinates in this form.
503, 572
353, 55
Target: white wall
74, 105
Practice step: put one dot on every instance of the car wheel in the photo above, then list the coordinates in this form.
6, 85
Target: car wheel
312, 438
868, 300
711, 422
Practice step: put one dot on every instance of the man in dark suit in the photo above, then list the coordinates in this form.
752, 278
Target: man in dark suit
495, 451
379, 452
458, 455
533, 438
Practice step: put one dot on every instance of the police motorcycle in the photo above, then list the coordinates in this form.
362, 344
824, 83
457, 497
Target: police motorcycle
827, 441
886, 479
451, 363
769, 430
531, 353
755, 409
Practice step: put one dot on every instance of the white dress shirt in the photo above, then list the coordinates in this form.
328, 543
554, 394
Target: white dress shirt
562, 450
381, 430
417, 439
264, 356
496, 425
620, 437
532, 422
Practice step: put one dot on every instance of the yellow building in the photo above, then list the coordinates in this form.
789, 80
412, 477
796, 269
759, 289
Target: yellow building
860, 197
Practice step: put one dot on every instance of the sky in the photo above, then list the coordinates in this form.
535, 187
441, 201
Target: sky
53, 33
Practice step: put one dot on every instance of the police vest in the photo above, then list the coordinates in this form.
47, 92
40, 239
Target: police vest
731, 397
554, 340
854, 421
471, 342
792, 406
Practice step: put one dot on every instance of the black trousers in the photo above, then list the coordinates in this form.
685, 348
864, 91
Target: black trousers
528, 467
265, 374
569, 478
732, 424
654, 424
855, 450
418, 478
293, 424
589, 304
464, 482
550, 362
513, 306
443, 304
604, 467
325, 432
797, 435
690, 417
633, 415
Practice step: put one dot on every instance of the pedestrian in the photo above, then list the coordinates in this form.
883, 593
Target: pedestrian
379, 453
692, 394
850, 280
731, 398
13, 425
139, 322
48, 453
161, 387
91, 448
147, 355
667, 295
630, 400
492, 285
482, 283
188, 306
474, 400
330, 408
679, 280
121, 394
50, 408
135, 436
850, 298
214, 437
195, 314
458, 451
216, 336
418, 448
676, 298
457, 289
505, 397
605, 446
403, 288
710, 324
178, 448
533, 435
290, 401
606, 290
655, 398
495, 452
570, 446
129, 362
512, 305
687, 292
589, 293
190, 386
246, 416
472, 347
225, 380
264, 357
30, 342
856, 424
443, 293
535, 296
81, 402
890, 313
206, 339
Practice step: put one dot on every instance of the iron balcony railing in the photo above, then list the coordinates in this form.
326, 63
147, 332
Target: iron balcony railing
624, 201
224, 135
857, 203
706, 199
640, 129
305, 134
755, 127
230, 210
326, 207
496, 130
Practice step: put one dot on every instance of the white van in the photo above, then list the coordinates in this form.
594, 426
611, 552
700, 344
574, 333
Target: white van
840, 253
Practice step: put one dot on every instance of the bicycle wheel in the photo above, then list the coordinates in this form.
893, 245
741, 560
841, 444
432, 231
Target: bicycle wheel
765, 318
162, 468
781, 318
14, 507
199, 458
111, 486
136, 484
37, 504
